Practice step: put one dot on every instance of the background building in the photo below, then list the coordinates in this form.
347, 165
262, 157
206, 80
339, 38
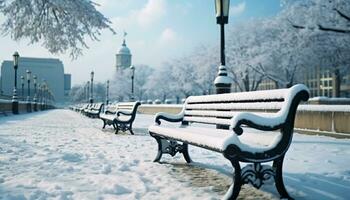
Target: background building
49, 69
321, 81
123, 57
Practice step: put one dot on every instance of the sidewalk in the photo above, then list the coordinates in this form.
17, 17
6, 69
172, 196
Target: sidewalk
60, 154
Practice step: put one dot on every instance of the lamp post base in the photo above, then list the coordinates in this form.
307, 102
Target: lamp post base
29, 107
223, 85
35, 104
14, 102
223, 89
15, 107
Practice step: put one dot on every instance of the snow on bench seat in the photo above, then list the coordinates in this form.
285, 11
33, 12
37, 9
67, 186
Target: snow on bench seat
219, 139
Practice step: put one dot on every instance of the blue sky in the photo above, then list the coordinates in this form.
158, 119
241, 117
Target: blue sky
158, 30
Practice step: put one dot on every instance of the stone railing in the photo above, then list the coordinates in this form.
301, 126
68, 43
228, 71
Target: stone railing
6, 107
324, 119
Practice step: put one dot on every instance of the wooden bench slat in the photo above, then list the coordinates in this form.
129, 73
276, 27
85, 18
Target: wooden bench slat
208, 120
236, 106
257, 96
213, 113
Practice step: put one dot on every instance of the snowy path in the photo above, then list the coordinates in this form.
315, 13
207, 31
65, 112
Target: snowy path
60, 154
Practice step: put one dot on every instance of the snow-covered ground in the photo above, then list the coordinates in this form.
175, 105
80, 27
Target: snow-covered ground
60, 154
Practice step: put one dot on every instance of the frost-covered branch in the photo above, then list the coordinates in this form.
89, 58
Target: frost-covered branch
58, 25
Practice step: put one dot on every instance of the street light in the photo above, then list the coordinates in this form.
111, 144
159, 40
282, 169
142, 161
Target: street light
22, 83
132, 82
35, 94
14, 97
88, 91
39, 97
92, 86
222, 81
29, 108
44, 95
107, 93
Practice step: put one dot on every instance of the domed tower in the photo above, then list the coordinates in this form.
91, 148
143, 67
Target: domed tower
123, 57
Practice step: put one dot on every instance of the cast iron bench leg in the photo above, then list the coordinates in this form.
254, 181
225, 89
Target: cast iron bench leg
235, 188
171, 147
159, 153
104, 124
278, 165
130, 129
185, 153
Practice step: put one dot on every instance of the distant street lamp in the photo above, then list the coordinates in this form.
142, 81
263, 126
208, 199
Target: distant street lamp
107, 93
88, 92
22, 83
132, 98
29, 107
14, 97
39, 97
222, 81
35, 94
44, 95
92, 87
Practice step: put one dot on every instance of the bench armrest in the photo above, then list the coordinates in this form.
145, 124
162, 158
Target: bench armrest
124, 112
168, 117
109, 112
265, 123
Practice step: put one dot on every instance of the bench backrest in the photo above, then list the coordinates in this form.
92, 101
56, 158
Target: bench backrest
123, 106
127, 106
97, 106
219, 109
111, 108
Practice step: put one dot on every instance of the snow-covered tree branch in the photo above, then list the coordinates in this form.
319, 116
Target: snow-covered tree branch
329, 16
58, 25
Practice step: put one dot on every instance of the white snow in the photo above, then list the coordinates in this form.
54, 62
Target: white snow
325, 108
61, 154
219, 139
222, 80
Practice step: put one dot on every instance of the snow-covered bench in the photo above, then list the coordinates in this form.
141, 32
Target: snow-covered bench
249, 115
93, 110
121, 116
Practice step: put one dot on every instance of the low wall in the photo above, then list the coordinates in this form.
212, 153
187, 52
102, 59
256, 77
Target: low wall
153, 109
328, 119
6, 107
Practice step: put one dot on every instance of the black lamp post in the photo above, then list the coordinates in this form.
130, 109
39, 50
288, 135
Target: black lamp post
46, 89
22, 83
14, 97
35, 94
107, 93
222, 81
92, 87
88, 91
38, 97
43, 86
29, 107
132, 82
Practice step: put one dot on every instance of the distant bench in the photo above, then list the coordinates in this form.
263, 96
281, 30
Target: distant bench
237, 111
89, 109
121, 116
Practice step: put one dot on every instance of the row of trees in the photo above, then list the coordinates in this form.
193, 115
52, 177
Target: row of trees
281, 49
